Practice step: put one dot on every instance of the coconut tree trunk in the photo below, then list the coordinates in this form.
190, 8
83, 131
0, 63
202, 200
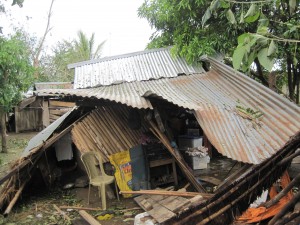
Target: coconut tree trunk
3, 131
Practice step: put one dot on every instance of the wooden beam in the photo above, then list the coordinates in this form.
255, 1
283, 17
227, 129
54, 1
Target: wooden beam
168, 193
26, 102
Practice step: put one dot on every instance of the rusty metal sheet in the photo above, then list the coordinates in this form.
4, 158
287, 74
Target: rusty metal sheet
214, 97
125, 93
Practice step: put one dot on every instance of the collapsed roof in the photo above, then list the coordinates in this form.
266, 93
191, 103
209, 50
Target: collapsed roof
243, 119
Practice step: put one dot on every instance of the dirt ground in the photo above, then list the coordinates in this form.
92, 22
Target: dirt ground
40, 206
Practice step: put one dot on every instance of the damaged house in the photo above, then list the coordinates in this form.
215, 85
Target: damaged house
36, 113
155, 106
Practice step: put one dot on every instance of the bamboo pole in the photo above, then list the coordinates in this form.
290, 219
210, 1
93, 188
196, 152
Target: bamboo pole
15, 198
112, 149
284, 192
119, 115
118, 131
97, 144
111, 142
102, 136
135, 133
254, 172
96, 134
285, 209
79, 137
110, 131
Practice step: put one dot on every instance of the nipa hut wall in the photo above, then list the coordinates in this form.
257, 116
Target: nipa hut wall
29, 118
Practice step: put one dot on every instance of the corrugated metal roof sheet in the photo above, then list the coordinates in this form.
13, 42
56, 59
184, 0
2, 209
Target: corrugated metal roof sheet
53, 85
214, 97
145, 65
44, 134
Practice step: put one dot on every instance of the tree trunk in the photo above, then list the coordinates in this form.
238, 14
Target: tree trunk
259, 74
272, 81
3, 131
297, 85
290, 77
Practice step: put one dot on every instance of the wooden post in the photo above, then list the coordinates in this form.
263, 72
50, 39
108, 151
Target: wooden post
17, 120
46, 116
3, 130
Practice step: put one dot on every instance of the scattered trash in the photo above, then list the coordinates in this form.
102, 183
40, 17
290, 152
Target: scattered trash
39, 215
105, 217
143, 219
128, 219
68, 186
197, 151
128, 214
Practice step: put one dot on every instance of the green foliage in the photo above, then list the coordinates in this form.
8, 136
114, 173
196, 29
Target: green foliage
82, 48
15, 70
268, 32
18, 2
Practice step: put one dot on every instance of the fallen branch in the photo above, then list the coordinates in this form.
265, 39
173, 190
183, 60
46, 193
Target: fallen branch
95, 209
88, 218
169, 193
80, 208
62, 213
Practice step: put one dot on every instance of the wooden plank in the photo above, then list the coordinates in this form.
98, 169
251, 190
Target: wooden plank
61, 104
88, 218
146, 205
59, 112
161, 214
53, 117
160, 162
211, 180
157, 198
168, 193
175, 204
196, 200
296, 160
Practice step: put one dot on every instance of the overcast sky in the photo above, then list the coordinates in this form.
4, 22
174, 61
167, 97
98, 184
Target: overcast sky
115, 21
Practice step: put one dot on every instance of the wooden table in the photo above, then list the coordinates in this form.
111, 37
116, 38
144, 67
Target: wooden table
167, 161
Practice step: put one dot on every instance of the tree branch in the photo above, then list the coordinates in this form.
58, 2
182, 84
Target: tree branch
40, 47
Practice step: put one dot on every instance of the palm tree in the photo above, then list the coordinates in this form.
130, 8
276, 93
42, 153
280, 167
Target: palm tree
84, 47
